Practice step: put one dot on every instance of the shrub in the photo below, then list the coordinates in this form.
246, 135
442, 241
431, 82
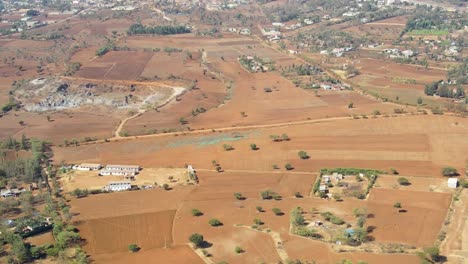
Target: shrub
268, 195
303, 155
394, 171
449, 171
337, 197
277, 211
336, 220
196, 212
215, 222
397, 205
403, 181
288, 166
196, 239
227, 147
165, 186
259, 209
239, 196
351, 105
257, 221
133, 248
238, 250
253, 146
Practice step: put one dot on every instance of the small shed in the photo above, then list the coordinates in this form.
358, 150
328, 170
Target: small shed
452, 183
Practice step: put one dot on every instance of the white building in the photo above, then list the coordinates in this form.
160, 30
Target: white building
134, 168
10, 193
190, 169
118, 186
452, 183
408, 53
87, 167
106, 172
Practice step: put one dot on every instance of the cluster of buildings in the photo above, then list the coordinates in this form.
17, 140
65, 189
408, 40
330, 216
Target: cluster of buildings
128, 172
332, 86
326, 179
271, 34
396, 53
242, 31
337, 52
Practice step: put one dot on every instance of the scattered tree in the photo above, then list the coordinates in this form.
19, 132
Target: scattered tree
196, 239
239, 250
351, 105
257, 221
259, 209
253, 146
215, 222
133, 248
403, 181
196, 212
449, 171
288, 166
227, 147
303, 155
239, 196
277, 211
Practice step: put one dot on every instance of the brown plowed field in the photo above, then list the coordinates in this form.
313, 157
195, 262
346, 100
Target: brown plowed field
173, 255
419, 225
116, 65
114, 234
414, 145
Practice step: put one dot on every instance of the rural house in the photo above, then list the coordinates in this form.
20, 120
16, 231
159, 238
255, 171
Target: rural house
118, 186
452, 183
87, 167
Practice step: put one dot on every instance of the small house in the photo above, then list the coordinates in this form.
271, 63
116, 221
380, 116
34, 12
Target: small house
190, 170
326, 178
452, 183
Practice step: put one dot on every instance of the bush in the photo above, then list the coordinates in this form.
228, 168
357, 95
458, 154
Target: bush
449, 171
277, 211
288, 166
239, 250
239, 196
215, 222
196, 212
268, 195
403, 181
397, 205
303, 155
196, 239
133, 248
253, 146
259, 209
227, 147
257, 221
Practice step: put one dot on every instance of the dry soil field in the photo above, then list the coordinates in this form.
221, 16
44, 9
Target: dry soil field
418, 146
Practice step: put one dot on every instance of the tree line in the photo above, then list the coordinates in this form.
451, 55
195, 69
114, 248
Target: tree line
138, 29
